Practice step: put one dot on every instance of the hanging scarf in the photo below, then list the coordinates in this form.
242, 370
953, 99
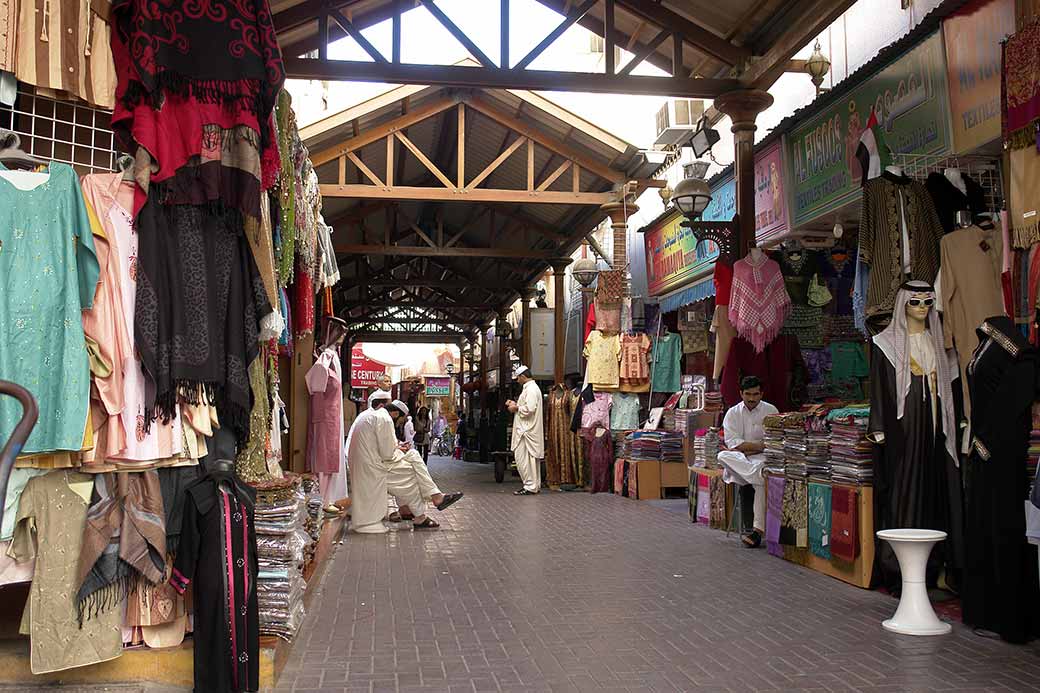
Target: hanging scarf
286, 227
759, 303
1021, 86
1024, 202
894, 343
242, 65
195, 321
124, 538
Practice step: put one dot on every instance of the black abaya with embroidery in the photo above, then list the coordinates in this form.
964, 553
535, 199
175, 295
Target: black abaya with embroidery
217, 556
1001, 587
912, 485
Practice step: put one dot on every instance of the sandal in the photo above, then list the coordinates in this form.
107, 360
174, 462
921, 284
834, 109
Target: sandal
426, 524
449, 500
752, 540
525, 492
396, 516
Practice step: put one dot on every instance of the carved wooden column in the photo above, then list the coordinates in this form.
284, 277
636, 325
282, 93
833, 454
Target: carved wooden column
559, 330
619, 213
743, 107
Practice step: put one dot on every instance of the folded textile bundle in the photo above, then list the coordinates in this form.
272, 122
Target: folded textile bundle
663, 446
850, 451
281, 541
774, 443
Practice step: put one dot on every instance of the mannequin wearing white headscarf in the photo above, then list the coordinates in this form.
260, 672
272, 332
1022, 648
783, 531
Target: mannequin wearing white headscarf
913, 423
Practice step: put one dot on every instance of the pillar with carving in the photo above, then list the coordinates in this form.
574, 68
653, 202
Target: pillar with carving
559, 329
743, 107
619, 212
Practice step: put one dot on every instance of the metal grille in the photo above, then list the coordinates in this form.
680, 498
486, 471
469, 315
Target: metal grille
64, 131
984, 170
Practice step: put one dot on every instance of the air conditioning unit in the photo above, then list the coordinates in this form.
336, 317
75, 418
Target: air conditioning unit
677, 119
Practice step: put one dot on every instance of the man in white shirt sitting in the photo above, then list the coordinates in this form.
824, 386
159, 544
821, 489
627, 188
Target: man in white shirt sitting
743, 457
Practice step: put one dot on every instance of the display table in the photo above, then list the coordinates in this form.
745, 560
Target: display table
653, 477
859, 573
171, 666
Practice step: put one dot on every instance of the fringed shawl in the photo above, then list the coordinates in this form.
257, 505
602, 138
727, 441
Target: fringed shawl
1021, 86
759, 303
124, 539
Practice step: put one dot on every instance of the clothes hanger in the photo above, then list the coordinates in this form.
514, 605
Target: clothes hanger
11, 152
125, 163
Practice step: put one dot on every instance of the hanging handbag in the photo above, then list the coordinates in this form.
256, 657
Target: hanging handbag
610, 287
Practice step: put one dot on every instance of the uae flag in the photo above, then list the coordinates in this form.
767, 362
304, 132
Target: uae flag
872, 151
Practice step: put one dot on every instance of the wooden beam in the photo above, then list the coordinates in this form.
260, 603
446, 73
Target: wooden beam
533, 224
372, 135
493, 166
458, 33
395, 50
407, 337
390, 146
535, 80
430, 166
568, 21
323, 37
503, 25
554, 175
608, 36
530, 164
678, 68
304, 13
366, 170
546, 140
341, 176
460, 150
697, 36
429, 305
403, 192
432, 283
417, 320
645, 53
420, 251
421, 234
813, 18
355, 33
466, 227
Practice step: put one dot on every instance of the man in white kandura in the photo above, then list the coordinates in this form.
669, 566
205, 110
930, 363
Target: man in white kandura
743, 457
374, 456
528, 432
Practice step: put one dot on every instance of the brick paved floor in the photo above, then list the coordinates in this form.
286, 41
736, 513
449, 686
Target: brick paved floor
574, 592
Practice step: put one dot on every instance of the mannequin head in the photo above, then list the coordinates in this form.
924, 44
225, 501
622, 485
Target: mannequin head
918, 306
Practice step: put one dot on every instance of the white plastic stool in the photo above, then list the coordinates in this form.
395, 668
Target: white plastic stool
915, 615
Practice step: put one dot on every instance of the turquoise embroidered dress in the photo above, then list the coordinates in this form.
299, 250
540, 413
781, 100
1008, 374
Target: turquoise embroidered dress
48, 275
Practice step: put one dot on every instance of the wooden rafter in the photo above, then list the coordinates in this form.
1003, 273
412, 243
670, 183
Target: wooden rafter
477, 195
569, 20
396, 250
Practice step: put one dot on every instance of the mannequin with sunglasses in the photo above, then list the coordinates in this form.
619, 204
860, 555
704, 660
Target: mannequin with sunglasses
913, 424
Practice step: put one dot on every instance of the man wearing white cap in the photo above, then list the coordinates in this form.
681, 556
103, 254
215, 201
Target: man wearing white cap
373, 454
528, 432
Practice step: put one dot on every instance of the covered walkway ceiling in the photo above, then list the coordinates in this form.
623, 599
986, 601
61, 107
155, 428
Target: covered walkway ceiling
447, 203
706, 47
452, 194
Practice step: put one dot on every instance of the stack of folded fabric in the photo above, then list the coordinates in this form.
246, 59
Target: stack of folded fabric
850, 451
280, 542
662, 446
668, 420
713, 402
774, 443
315, 518
700, 459
711, 448
672, 448
795, 464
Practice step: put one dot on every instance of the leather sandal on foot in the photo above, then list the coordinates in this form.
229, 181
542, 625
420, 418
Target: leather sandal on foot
449, 500
425, 524
525, 492
398, 517
752, 540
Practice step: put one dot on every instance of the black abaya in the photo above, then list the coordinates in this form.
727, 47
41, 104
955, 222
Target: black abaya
217, 555
912, 469
1001, 587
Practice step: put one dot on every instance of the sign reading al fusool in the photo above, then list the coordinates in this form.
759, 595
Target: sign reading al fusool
912, 104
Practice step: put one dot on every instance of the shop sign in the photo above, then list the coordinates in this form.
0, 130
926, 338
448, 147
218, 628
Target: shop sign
673, 256
364, 372
912, 105
770, 201
438, 387
972, 36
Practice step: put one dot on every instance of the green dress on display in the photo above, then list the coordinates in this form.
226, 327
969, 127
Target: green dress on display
48, 275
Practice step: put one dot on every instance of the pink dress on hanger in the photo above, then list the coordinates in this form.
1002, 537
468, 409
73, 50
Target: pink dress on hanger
325, 432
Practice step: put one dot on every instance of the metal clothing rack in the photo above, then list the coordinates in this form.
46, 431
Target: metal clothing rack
984, 170
64, 131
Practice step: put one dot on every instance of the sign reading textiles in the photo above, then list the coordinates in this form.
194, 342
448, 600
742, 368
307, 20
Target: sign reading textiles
973, 35
364, 372
912, 105
438, 387
770, 201
673, 256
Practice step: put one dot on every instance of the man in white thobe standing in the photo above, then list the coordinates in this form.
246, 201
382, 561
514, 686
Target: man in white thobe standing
744, 458
373, 454
528, 432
